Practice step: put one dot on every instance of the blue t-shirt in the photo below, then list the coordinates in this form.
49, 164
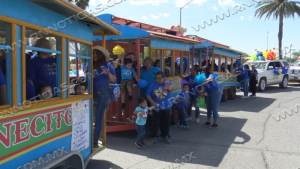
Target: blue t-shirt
192, 83
245, 74
160, 95
252, 74
185, 63
183, 96
102, 80
127, 74
42, 71
141, 119
149, 76
2, 78
212, 85
30, 91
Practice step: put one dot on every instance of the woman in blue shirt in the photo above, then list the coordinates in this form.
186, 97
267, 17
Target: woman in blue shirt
193, 94
103, 73
160, 96
214, 95
246, 75
42, 69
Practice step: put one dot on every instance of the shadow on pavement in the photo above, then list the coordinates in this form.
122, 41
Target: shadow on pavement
102, 164
208, 146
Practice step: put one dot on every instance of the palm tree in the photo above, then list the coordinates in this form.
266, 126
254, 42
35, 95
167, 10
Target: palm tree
81, 3
279, 9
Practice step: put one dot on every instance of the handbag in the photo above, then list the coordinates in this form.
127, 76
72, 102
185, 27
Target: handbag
201, 102
115, 92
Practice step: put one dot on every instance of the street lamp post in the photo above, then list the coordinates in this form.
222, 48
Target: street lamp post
183, 7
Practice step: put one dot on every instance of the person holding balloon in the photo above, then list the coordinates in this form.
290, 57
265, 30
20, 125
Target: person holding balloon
213, 99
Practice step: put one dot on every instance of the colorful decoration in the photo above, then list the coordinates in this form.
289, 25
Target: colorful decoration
118, 50
266, 55
179, 30
142, 83
199, 79
276, 71
284, 70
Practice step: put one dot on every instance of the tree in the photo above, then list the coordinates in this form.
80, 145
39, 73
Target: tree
296, 54
278, 9
80, 3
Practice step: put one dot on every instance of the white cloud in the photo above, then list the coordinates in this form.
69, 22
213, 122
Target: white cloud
215, 8
250, 18
145, 18
166, 15
155, 16
145, 2
227, 3
181, 3
242, 18
130, 17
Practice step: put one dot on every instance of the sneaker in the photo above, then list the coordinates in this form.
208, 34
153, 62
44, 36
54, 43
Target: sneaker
180, 125
167, 139
188, 119
186, 127
245, 97
206, 124
96, 145
197, 121
254, 95
130, 97
143, 143
214, 126
139, 145
154, 140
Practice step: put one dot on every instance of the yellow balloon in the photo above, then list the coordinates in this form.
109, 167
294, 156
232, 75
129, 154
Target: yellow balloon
280, 71
118, 50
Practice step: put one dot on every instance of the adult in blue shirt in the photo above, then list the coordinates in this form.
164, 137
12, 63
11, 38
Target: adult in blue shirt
41, 70
103, 74
253, 81
214, 95
2, 88
160, 96
193, 93
246, 76
148, 73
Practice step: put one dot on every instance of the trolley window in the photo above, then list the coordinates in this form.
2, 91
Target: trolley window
168, 64
79, 69
43, 64
5, 61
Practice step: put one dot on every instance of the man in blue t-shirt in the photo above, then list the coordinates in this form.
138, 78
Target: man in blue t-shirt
253, 81
148, 73
2, 88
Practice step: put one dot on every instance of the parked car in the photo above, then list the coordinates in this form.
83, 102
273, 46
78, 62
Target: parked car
266, 75
295, 68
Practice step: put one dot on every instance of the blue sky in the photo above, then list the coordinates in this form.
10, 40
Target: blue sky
241, 30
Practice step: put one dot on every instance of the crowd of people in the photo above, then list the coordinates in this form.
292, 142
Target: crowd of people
155, 98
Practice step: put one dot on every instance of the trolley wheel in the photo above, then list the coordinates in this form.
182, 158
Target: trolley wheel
175, 115
224, 95
232, 93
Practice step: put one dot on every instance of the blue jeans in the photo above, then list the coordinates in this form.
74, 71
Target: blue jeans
102, 99
193, 101
212, 104
141, 130
246, 87
182, 115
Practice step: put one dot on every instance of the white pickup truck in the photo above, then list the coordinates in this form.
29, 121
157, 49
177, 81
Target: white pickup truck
295, 68
266, 74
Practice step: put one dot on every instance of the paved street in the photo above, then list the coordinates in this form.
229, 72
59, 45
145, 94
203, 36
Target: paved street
249, 136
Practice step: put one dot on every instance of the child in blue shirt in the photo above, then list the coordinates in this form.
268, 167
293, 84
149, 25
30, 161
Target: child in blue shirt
141, 112
128, 74
79, 89
183, 102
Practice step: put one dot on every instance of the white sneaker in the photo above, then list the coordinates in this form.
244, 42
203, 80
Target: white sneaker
245, 97
197, 121
189, 119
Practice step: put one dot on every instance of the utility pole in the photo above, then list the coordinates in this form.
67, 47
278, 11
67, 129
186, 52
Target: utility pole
183, 7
